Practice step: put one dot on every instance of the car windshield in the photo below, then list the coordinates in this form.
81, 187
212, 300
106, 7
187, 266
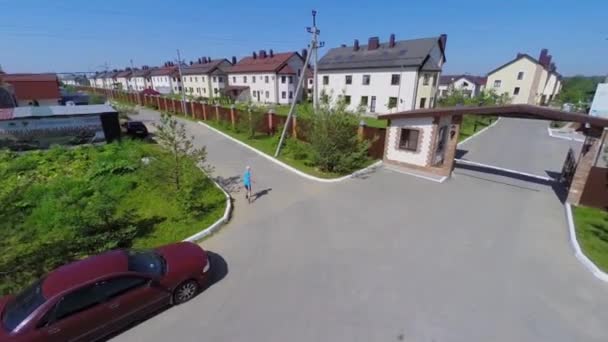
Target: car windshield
136, 125
22, 306
148, 262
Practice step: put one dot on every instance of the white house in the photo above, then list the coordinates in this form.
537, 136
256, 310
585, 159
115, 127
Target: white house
382, 78
109, 80
97, 80
122, 80
470, 85
140, 79
527, 80
208, 78
266, 78
165, 80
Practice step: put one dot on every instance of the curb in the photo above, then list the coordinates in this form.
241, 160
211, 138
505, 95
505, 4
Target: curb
217, 224
436, 180
468, 162
291, 168
550, 131
478, 133
578, 253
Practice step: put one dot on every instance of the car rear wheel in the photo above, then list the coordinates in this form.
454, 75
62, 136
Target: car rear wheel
185, 291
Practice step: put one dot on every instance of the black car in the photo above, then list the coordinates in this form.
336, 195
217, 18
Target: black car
136, 129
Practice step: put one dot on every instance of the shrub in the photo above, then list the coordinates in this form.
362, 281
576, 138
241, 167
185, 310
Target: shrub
297, 149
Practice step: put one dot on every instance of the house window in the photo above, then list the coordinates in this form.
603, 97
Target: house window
253, 79
291, 95
408, 140
422, 102
283, 94
190, 78
516, 91
244, 79
392, 102
364, 100
290, 79
372, 106
203, 79
366, 79
520, 75
395, 78
497, 83
267, 94
299, 72
266, 79
215, 90
198, 90
283, 79
347, 99
348, 79
425, 79
325, 80
205, 90
233, 79
195, 78
220, 79
214, 79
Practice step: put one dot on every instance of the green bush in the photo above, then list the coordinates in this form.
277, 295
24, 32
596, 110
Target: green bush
297, 149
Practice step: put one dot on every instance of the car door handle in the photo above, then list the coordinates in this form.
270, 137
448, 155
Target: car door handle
114, 305
52, 331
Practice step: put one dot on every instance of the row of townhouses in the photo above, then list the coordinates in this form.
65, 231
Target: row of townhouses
376, 77
525, 79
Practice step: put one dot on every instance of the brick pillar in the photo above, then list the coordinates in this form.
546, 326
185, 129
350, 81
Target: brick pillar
192, 109
361, 130
450, 148
204, 105
217, 113
294, 126
173, 105
158, 101
270, 121
585, 162
166, 106
232, 118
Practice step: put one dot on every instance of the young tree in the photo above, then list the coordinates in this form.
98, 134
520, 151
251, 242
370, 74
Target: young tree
172, 135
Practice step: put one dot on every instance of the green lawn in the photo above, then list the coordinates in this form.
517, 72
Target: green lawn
63, 204
268, 145
472, 124
592, 234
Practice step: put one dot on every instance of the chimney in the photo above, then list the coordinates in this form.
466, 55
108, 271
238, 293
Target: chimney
262, 53
191, 62
271, 53
254, 55
233, 60
443, 39
542, 58
343, 45
548, 63
304, 53
373, 43
391, 41
208, 59
553, 67
356, 46
519, 55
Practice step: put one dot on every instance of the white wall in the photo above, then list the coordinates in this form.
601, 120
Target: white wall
417, 158
380, 87
260, 85
509, 81
163, 84
124, 83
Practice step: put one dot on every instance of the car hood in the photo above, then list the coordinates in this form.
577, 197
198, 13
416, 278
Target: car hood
3, 303
183, 258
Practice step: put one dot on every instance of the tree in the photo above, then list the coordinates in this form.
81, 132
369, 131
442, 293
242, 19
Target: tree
578, 89
172, 135
457, 97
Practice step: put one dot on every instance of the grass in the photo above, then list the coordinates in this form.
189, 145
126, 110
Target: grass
592, 234
472, 124
268, 144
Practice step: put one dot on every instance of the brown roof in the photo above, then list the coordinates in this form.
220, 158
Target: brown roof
164, 71
516, 111
286, 70
33, 86
204, 68
125, 73
262, 64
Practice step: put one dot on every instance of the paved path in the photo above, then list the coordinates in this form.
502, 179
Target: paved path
389, 257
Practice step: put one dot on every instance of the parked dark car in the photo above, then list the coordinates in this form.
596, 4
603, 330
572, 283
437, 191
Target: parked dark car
90, 299
136, 129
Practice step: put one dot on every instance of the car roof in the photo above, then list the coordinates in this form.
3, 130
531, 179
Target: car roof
80, 272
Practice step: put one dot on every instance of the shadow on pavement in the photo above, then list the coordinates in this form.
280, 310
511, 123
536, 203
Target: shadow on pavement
219, 270
364, 174
230, 184
558, 188
461, 153
261, 193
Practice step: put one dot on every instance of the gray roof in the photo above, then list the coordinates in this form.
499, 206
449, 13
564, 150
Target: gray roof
204, 68
405, 53
28, 112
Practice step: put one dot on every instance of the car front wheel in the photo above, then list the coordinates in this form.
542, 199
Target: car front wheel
185, 291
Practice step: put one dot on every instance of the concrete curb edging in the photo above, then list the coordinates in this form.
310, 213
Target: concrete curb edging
578, 252
436, 180
550, 131
291, 168
478, 133
217, 224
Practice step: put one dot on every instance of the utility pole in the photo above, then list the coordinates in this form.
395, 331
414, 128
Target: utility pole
132, 69
315, 45
181, 80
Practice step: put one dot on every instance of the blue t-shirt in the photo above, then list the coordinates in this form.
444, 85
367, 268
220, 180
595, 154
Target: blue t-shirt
247, 178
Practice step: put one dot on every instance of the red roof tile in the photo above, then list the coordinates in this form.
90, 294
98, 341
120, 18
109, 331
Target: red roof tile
286, 70
266, 64
34, 86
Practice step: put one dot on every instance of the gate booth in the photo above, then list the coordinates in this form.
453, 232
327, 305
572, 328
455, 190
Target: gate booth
425, 141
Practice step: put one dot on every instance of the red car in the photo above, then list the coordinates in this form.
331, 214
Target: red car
92, 298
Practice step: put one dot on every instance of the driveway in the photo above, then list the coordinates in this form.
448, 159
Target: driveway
388, 257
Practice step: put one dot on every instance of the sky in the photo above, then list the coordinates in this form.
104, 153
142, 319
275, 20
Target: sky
82, 36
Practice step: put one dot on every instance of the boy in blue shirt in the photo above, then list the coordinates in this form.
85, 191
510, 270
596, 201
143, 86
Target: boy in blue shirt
247, 183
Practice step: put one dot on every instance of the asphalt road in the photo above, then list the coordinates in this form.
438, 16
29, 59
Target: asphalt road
390, 257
